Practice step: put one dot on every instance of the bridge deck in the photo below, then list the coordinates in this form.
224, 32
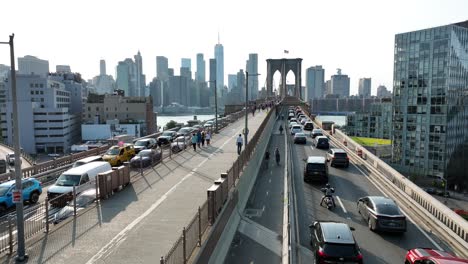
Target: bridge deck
141, 223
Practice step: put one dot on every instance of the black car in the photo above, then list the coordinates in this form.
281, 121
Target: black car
381, 213
321, 142
309, 126
145, 158
166, 137
333, 242
316, 132
338, 157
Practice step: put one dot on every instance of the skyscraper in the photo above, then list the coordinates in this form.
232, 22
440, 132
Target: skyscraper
123, 77
365, 87
33, 65
232, 81
252, 69
186, 63
140, 78
315, 79
219, 56
340, 84
430, 105
201, 75
102, 67
162, 68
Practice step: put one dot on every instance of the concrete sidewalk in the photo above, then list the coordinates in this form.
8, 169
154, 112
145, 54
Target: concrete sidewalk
141, 223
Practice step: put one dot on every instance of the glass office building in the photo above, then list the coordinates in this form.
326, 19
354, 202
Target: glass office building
430, 99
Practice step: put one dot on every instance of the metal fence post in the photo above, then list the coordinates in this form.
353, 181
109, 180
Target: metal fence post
184, 245
97, 188
170, 151
162, 152
74, 201
47, 214
199, 227
141, 165
10, 234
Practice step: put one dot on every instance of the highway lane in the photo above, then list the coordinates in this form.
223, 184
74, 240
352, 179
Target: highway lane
350, 184
4, 151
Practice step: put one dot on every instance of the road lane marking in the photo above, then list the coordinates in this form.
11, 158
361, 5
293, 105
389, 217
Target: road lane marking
122, 235
412, 221
312, 147
341, 204
266, 193
269, 181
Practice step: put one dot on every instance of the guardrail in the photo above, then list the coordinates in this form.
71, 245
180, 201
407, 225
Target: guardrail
448, 224
207, 214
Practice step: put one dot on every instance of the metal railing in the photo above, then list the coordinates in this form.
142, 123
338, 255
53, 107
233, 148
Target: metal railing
192, 234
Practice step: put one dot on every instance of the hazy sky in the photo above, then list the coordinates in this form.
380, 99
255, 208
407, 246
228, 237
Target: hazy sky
354, 35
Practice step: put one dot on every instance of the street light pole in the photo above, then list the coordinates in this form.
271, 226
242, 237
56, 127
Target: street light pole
246, 129
216, 107
21, 254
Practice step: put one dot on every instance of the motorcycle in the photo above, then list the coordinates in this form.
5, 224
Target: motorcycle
328, 203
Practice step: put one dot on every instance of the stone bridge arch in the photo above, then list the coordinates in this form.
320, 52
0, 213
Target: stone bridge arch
284, 66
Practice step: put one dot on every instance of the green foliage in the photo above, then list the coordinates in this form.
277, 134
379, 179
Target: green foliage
371, 141
171, 124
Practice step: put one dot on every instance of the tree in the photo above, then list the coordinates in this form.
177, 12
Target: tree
171, 124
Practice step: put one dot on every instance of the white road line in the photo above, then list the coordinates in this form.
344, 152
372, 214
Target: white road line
312, 147
266, 193
341, 204
269, 181
417, 226
122, 235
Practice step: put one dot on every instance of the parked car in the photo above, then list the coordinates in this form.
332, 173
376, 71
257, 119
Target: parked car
316, 132
117, 155
309, 126
296, 129
146, 143
300, 138
83, 200
381, 214
338, 157
180, 143
321, 142
32, 189
333, 242
10, 158
166, 137
431, 256
145, 158
185, 131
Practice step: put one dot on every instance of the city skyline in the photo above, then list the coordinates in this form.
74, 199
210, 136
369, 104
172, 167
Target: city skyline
371, 56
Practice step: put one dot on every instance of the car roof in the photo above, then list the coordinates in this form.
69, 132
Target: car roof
317, 130
334, 232
381, 200
316, 159
300, 134
319, 137
145, 139
12, 182
441, 256
85, 167
146, 150
337, 150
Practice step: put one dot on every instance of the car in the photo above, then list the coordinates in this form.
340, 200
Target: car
32, 189
431, 256
290, 115
146, 143
304, 121
86, 160
296, 129
300, 138
185, 131
10, 158
117, 155
180, 143
309, 126
431, 190
381, 214
338, 156
291, 124
316, 132
3, 166
321, 142
145, 158
443, 193
293, 120
166, 137
333, 242
315, 169
83, 200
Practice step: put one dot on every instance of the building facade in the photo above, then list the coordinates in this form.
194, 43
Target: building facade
33, 65
340, 84
219, 57
383, 92
315, 81
252, 69
365, 87
375, 123
201, 68
430, 96
162, 68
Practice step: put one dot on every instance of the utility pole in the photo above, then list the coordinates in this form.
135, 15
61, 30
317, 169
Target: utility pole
246, 129
216, 106
21, 254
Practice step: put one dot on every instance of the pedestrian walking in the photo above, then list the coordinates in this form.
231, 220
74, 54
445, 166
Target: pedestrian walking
208, 138
239, 142
253, 111
194, 141
203, 138
199, 138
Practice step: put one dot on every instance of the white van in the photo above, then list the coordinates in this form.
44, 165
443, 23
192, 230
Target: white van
78, 177
86, 161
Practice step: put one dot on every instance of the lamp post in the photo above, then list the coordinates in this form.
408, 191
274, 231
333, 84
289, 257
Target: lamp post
216, 105
246, 129
21, 254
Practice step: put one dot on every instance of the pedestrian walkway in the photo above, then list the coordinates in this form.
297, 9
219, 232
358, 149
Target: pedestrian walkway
141, 223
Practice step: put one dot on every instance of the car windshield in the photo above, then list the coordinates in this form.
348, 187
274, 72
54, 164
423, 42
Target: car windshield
3, 190
68, 180
296, 127
83, 200
340, 250
300, 135
167, 133
180, 139
144, 154
387, 209
341, 155
113, 151
141, 143
315, 167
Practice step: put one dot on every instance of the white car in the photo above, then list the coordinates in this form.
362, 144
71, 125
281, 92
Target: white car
10, 158
296, 129
292, 124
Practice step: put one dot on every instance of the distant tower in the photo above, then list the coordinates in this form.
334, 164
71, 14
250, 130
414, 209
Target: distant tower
200, 75
102, 67
219, 56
